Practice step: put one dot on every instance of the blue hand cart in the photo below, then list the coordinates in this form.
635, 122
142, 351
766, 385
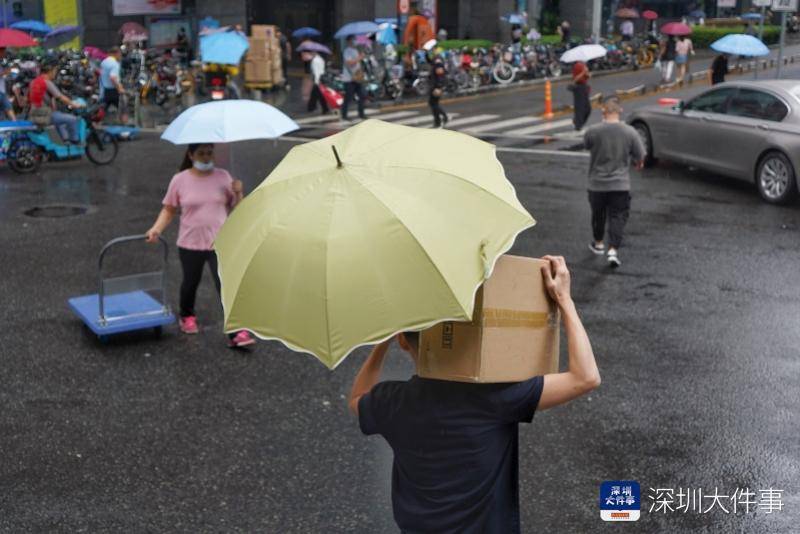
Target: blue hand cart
123, 303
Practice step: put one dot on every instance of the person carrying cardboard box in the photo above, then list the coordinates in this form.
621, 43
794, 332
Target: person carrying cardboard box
455, 443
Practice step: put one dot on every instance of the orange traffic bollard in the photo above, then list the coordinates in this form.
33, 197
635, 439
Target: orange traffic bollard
548, 101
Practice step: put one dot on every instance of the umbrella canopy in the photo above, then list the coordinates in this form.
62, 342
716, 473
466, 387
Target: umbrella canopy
740, 44
132, 27
302, 33
134, 37
225, 121
676, 28
649, 15
362, 27
208, 22
328, 257
386, 34
751, 16
584, 53
61, 35
627, 13
514, 18
32, 26
311, 46
10, 38
226, 48
93, 52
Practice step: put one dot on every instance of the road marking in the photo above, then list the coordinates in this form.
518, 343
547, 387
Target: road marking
470, 120
543, 151
421, 119
503, 124
395, 115
544, 127
330, 118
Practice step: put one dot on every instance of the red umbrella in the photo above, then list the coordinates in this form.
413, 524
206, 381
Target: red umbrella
132, 27
675, 28
627, 13
14, 38
650, 15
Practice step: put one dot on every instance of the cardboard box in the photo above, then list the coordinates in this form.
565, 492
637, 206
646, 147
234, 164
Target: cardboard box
263, 31
258, 49
257, 71
514, 334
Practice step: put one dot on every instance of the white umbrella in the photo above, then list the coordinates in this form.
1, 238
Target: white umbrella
225, 121
583, 53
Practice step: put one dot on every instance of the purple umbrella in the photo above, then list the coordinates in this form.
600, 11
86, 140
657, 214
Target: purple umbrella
61, 35
311, 46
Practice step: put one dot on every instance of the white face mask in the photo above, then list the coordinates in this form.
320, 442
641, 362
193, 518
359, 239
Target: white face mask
203, 167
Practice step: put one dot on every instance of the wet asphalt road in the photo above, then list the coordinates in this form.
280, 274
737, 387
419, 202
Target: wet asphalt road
696, 337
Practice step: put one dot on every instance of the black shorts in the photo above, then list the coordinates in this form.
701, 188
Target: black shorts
110, 98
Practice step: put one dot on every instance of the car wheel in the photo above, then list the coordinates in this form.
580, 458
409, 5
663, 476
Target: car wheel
647, 140
775, 178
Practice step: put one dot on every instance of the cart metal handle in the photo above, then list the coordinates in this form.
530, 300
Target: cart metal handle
128, 239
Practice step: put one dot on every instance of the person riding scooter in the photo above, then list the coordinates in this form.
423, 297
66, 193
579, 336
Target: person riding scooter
40, 94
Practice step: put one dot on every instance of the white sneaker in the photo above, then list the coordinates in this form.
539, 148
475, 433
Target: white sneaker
613, 259
597, 249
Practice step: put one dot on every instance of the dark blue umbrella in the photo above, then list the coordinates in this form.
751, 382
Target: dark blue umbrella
362, 27
32, 26
61, 35
302, 33
751, 16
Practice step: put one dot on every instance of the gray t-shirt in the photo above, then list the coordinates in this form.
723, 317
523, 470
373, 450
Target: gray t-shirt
349, 54
614, 146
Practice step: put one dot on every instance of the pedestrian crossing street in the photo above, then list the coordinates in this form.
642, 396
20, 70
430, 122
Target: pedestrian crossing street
492, 127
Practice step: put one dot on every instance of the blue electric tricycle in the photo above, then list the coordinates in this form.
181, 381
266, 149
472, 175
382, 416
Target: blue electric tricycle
26, 145
126, 303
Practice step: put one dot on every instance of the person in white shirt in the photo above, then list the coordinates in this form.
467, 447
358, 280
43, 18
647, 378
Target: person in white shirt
626, 29
317, 70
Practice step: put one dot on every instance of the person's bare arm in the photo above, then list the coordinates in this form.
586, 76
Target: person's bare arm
165, 217
369, 374
582, 375
237, 190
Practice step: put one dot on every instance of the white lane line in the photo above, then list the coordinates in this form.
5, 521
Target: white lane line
544, 127
503, 124
330, 118
543, 151
470, 120
421, 119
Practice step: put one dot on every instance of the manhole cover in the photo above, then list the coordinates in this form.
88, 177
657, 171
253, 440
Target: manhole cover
56, 211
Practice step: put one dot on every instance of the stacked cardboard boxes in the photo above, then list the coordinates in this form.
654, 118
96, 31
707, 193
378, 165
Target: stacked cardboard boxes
263, 60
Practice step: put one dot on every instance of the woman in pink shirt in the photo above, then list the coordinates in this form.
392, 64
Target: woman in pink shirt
205, 195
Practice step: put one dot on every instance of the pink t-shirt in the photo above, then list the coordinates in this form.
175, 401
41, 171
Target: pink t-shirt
204, 202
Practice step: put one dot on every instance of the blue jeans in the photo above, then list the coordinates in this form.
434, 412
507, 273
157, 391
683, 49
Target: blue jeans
67, 126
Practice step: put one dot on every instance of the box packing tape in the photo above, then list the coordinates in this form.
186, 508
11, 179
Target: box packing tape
503, 318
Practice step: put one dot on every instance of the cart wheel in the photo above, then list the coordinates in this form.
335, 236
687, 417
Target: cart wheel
103, 339
157, 331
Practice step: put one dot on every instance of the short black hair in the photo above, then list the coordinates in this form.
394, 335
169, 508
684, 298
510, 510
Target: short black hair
412, 336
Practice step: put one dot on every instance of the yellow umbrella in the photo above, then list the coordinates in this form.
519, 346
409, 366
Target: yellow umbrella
378, 229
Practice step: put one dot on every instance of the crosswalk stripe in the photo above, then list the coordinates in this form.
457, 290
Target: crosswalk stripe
421, 119
503, 124
330, 118
395, 115
543, 127
469, 120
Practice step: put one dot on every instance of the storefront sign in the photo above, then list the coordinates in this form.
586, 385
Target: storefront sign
784, 5
726, 3
146, 7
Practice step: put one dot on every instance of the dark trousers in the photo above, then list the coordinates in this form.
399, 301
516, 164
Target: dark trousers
582, 105
192, 263
613, 206
436, 109
316, 96
351, 89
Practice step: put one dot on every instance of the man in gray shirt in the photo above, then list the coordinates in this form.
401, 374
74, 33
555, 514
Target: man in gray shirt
352, 76
614, 147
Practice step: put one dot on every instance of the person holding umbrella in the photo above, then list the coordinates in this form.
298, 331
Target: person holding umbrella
582, 104
353, 75
205, 195
667, 58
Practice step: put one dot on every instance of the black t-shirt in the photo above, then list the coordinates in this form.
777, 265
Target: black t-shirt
719, 68
456, 451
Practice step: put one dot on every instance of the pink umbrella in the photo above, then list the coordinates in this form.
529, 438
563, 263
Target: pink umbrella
650, 15
627, 13
132, 27
676, 28
92, 52
14, 38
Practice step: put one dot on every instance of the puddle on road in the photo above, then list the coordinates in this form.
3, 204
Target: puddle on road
67, 190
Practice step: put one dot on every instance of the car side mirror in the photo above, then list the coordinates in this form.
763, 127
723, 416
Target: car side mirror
679, 106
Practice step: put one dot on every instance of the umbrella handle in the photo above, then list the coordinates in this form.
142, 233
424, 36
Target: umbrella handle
336, 154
